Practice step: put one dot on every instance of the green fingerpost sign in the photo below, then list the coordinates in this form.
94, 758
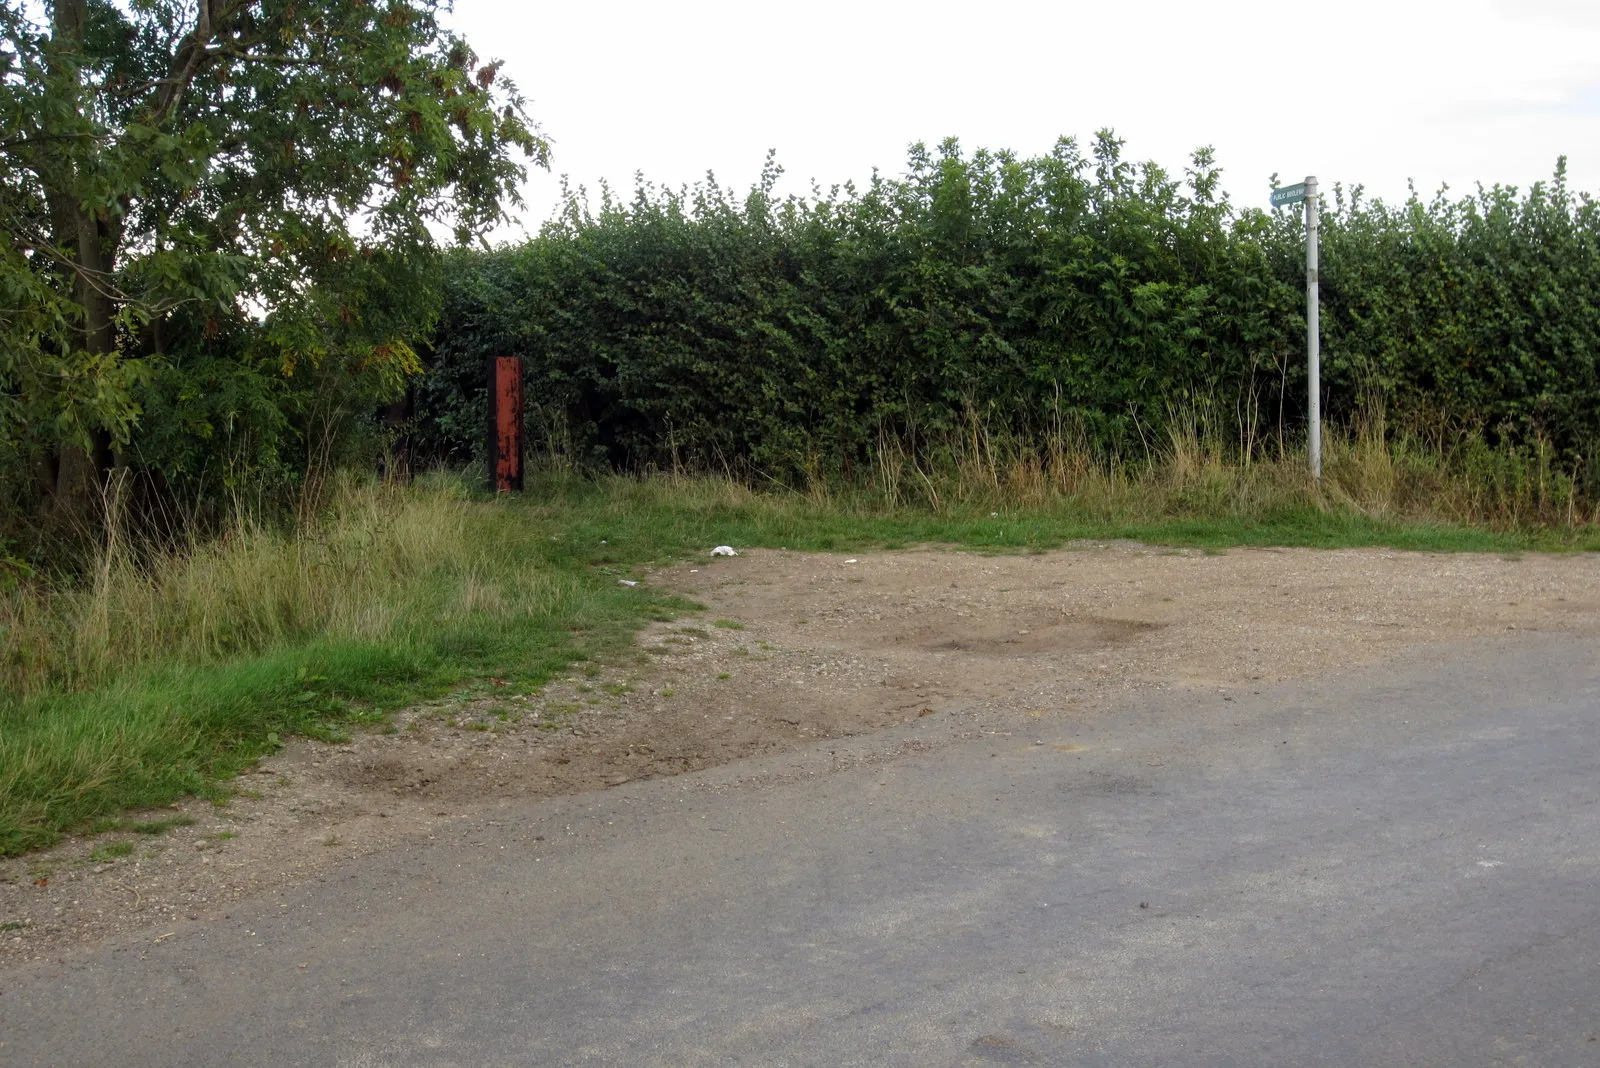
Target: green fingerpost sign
1289, 194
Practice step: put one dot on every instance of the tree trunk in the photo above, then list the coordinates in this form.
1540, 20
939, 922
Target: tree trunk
80, 472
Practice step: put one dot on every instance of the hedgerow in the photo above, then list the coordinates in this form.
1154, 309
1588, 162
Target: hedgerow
800, 335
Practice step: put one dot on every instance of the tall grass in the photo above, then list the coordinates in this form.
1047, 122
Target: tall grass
351, 574
1193, 470
162, 669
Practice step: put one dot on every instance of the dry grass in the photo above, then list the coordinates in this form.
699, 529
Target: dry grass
1194, 470
254, 587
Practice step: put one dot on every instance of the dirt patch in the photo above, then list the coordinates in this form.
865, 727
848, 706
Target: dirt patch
794, 648
1016, 636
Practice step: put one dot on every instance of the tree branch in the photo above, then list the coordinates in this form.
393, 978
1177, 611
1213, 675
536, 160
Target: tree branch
186, 64
23, 142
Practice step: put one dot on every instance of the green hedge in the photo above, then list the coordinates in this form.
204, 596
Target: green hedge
784, 335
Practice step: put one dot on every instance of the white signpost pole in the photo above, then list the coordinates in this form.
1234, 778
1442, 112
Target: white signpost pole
1313, 332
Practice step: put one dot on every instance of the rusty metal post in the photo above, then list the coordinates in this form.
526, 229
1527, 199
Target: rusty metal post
505, 423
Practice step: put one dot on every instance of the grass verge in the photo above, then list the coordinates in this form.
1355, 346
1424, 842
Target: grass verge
164, 673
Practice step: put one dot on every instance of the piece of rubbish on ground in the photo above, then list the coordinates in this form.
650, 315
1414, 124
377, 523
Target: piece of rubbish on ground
724, 550
626, 582
852, 561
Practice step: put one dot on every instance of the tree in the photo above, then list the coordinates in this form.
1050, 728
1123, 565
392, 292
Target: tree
257, 180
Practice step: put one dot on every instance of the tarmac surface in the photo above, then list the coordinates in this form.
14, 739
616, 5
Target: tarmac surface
1396, 866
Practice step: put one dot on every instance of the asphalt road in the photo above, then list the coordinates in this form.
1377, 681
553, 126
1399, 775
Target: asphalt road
1395, 867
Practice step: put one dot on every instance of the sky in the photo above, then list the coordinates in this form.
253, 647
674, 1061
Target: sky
1360, 92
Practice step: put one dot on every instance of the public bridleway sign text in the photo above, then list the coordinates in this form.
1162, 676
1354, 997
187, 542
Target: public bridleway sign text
1289, 194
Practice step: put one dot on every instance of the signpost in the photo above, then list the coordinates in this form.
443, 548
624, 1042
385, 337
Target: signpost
1306, 192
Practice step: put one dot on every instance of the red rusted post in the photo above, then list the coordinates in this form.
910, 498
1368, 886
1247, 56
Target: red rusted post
505, 423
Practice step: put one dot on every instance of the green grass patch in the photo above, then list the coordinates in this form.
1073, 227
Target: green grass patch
656, 522
111, 851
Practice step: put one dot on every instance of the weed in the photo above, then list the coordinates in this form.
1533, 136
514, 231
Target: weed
111, 851
728, 624
147, 827
723, 675
223, 836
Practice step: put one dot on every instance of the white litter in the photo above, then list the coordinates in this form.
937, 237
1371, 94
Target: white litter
724, 550
852, 561
626, 582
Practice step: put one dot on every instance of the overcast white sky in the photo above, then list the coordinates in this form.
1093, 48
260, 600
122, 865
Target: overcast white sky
1368, 91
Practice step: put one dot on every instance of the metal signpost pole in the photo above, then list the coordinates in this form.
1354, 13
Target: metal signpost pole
1294, 194
1313, 331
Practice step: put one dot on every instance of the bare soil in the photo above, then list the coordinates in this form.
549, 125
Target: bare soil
794, 648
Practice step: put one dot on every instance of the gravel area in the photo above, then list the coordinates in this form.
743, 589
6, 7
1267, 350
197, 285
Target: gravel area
793, 649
